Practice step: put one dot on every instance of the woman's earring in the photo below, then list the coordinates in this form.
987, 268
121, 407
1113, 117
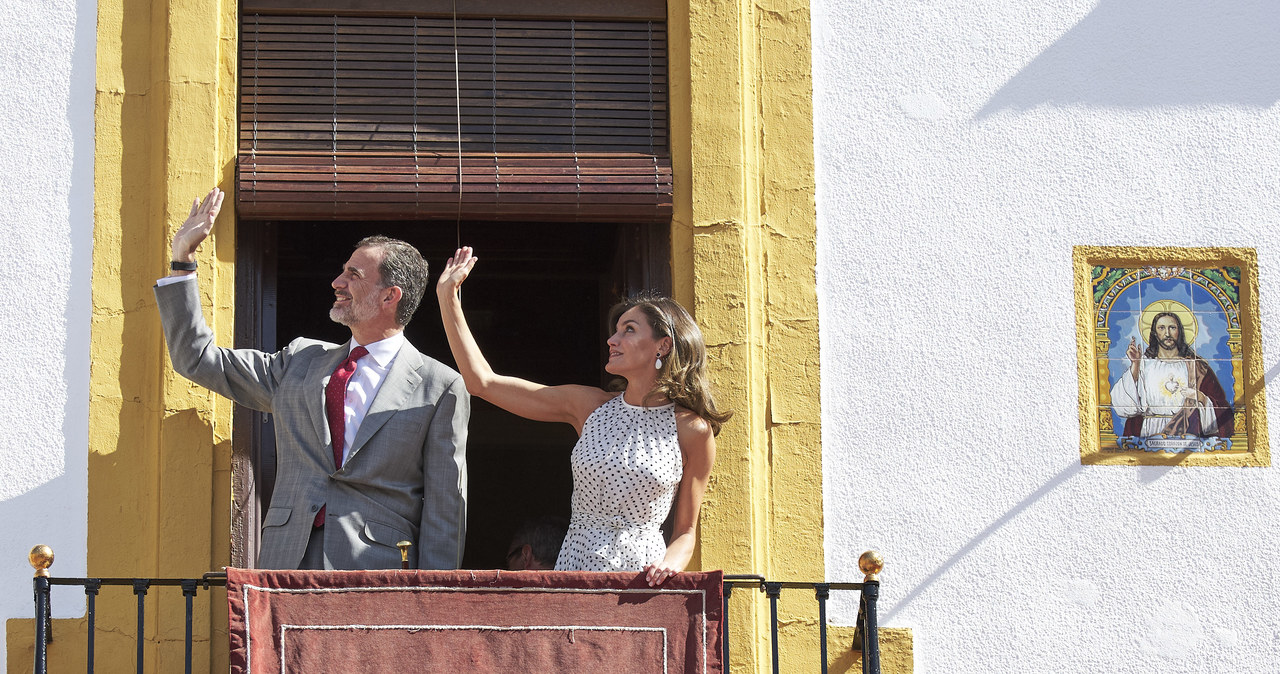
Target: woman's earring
657, 364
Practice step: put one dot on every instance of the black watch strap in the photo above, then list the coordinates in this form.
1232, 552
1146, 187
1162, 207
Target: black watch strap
182, 266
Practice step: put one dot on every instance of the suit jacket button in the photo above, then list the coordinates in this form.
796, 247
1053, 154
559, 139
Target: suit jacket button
315, 508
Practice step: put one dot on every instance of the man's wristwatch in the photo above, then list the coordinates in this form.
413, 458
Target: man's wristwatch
182, 266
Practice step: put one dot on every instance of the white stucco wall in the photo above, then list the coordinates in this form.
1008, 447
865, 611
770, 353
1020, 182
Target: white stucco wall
963, 148
46, 225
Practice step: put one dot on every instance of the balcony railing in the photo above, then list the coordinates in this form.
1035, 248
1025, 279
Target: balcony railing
865, 638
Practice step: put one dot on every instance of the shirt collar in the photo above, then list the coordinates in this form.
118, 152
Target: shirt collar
383, 351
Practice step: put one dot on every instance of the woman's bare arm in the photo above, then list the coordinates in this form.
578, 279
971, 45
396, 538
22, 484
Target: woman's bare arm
571, 404
698, 449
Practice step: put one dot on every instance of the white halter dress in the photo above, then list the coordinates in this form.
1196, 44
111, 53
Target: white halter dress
626, 470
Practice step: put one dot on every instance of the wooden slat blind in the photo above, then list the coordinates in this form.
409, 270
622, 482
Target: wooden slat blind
361, 117
630, 10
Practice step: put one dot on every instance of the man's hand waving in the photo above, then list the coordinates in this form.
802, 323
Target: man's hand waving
194, 231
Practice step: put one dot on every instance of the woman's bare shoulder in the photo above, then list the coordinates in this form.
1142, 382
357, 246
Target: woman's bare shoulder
585, 399
689, 423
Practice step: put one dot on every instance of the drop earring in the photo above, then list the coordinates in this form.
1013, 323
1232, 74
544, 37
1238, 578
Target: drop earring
657, 363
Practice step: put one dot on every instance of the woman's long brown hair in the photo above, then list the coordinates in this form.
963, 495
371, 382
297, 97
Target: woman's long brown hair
683, 376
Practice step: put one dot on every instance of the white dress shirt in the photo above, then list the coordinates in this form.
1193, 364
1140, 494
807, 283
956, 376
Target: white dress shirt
371, 371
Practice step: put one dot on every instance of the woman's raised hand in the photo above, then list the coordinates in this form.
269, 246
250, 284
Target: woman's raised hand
456, 270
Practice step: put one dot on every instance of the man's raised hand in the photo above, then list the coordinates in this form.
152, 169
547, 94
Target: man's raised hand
194, 231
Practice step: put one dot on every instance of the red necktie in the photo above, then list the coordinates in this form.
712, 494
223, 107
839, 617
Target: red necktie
335, 402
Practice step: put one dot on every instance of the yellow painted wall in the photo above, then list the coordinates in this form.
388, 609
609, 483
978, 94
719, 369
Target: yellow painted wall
743, 258
749, 203
159, 461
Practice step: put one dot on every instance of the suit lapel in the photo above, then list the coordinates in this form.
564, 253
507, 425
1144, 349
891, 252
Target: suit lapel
322, 367
402, 380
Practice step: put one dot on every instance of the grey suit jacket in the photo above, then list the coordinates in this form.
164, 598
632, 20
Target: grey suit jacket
405, 477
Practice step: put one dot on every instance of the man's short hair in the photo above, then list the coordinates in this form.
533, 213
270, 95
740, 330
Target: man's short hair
403, 266
544, 535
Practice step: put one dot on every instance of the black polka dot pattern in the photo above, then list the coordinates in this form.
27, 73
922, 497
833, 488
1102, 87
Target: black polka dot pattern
626, 469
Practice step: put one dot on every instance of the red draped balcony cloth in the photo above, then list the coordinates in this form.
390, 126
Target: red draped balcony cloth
458, 622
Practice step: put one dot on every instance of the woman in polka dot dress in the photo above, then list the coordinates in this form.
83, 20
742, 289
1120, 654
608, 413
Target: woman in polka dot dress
639, 453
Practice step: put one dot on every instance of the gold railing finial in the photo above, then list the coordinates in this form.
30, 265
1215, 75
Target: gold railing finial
404, 553
41, 558
871, 563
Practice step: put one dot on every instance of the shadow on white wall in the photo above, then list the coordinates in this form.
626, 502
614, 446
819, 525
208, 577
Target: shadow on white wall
1070, 471
1150, 53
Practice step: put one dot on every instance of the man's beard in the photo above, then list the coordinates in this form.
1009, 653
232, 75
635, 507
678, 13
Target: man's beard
1169, 343
355, 312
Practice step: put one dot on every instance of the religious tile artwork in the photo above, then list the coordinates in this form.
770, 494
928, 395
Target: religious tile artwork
1169, 363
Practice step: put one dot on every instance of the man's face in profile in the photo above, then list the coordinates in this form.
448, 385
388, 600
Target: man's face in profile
358, 288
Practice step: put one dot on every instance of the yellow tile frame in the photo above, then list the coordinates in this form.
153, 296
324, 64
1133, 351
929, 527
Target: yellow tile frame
1249, 387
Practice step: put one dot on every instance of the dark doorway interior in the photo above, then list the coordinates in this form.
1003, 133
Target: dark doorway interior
536, 303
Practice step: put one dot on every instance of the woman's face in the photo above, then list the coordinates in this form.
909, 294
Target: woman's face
632, 348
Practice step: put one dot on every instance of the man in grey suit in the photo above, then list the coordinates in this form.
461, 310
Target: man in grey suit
370, 435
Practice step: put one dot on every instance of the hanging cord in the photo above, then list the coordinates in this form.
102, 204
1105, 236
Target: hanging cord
573, 116
653, 151
417, 165
493, 110
457, 103
257, 65
333, 204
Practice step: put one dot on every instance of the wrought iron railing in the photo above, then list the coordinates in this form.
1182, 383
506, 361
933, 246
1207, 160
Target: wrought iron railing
865, 639
41, 558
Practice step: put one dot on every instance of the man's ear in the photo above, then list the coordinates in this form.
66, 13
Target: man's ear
393, 297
